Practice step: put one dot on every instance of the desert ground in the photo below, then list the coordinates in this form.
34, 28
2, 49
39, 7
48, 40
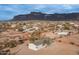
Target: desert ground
39, 38
63, 46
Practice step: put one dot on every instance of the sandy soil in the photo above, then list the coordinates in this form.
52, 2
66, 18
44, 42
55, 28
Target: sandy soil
62, 46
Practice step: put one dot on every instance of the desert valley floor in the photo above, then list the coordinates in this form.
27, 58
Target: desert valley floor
62, 46
39, 38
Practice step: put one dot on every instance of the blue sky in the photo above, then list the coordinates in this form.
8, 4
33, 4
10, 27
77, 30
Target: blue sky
8, 11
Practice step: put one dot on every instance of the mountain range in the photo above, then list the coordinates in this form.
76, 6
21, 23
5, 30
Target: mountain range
45, 16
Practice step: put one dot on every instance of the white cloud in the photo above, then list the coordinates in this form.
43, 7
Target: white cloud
66, 6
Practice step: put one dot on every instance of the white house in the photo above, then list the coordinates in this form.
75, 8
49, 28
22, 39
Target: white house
13, 25
35, 47
24, 27
76, 25
62, 33
71, 23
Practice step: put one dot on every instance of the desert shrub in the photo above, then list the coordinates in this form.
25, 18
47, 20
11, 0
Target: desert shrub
35, 36
5, 52
72, 43
44, 40
11, 44
66, 26
2, 45
20, 41
20, 29
59, 40
47, 41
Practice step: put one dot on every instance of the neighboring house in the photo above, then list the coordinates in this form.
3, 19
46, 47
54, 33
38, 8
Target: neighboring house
36, 45
76, 25
62, 33
71, 23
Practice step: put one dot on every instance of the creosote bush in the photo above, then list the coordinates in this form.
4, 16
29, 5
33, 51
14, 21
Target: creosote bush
2, 46
20, 41
35, 36
5, 52
47, 40
11, 44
